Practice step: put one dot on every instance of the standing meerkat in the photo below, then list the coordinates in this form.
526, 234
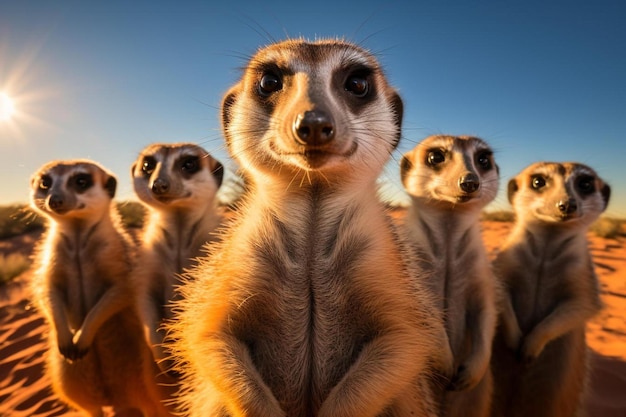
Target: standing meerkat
177, 183
550, 291
82, 285
307, 307
450, 179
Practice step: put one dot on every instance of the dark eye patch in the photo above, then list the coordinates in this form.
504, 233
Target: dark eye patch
45, 182
586, 184
148, 165
483, 159
189, 165
81, 182
537, 182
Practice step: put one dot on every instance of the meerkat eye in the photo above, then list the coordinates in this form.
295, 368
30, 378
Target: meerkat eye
148, 165
586, 184
537, 182
190, 164
269, 83
357, 85
45, 182
484, 161
83, 181
435, 157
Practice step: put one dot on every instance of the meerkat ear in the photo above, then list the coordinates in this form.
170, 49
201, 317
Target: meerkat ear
227, 104
512, 189
405, 166
398, 111
606, 194
218, 173
111, 186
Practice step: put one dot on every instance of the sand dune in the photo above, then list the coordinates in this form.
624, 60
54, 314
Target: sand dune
25, 390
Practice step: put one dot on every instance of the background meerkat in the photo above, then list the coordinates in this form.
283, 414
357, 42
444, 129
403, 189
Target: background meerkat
98, 356
177, 183
550, 291
307, 307
450, 179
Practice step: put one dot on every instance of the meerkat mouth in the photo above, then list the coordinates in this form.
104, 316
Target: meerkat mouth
316, 157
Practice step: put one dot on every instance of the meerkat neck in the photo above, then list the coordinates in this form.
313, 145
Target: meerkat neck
79, 231
442, 225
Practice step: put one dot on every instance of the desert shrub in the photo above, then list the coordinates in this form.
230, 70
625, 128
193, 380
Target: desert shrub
12, 265
132, 213
608, 227
498, 216
17, 219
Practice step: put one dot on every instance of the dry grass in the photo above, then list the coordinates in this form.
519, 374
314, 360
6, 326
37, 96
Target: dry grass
608, 227
12, 265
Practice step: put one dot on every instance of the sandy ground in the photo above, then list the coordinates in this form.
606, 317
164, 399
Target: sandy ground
24, 389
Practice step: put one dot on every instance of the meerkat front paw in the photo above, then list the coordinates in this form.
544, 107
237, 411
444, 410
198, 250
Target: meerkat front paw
529, 350
72, 352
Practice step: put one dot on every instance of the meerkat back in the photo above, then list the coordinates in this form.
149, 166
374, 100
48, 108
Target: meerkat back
550, 291
97, 354
177, 183
450, 179
307, 306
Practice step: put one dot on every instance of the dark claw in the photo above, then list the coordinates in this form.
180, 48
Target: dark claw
72, 353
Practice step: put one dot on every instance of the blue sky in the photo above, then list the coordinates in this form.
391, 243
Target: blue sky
537, 80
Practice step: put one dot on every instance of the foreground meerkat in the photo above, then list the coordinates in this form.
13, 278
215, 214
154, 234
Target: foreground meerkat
177, 183
307, 307
82, 285
551, 290
450, 179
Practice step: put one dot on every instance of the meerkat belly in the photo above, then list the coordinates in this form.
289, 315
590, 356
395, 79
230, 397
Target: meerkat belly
316, 326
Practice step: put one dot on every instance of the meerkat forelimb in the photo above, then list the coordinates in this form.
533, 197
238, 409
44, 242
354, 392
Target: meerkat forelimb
82, 285
177, 183
307, 307
450, 179
550, 290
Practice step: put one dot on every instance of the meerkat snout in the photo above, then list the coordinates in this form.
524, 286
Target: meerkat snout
314, 128
469, 183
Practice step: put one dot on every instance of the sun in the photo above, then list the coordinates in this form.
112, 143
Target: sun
7, 108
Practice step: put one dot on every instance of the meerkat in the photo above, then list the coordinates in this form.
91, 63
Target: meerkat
450, 179
307, 306
82, 285
550, 290
177, 183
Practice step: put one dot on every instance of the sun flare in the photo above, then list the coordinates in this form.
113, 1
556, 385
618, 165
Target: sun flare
7, 108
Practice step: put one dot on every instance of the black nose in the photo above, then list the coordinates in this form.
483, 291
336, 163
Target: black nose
55, 202
567, 206
469, 183
160, 186
314, 127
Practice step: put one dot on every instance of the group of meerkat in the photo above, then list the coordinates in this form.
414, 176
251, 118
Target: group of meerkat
312, 300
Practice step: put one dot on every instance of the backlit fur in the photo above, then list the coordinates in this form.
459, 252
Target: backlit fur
82, 285
551, 290
177, 184
308, 306
443, 222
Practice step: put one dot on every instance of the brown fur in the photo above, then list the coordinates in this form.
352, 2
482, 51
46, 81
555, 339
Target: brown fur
307, 307
97, 356
443, 222
551, 290
177, 183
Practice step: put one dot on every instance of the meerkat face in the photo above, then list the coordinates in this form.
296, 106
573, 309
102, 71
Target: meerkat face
72, 189
176, 175
312, 107
560, 193
453, 170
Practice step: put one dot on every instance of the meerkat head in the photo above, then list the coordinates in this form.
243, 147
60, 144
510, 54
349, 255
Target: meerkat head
312, 107
176, 175
454, 171
559, 193
75, 189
